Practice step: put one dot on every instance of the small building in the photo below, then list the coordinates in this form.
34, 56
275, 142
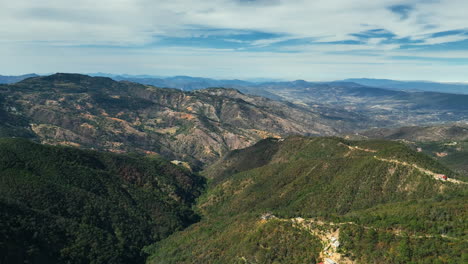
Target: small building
268, 216
336, 244
442, 177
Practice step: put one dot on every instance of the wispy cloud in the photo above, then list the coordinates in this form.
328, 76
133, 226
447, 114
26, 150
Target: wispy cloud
359, 31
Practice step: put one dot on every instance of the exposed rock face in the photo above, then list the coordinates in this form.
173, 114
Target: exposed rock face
199, 126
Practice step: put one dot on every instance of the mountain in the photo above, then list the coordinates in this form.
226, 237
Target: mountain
198, 126
393, 108
385, 106
446, 143
457, 88
13, 79
448, 132
185, 83
302, 200
65, 205
381, 105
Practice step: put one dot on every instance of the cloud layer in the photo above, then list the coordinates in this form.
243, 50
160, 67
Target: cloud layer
238, 38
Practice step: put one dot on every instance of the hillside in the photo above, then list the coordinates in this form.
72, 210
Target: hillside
454, 132
392, 104
64, 205
389, 107
322, 189
446, 143
458, 88
199, 126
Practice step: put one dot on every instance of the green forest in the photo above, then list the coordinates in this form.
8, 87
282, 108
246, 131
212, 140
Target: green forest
391, 213
64, 205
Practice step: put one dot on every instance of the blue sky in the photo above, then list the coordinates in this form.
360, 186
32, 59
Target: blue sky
293, 39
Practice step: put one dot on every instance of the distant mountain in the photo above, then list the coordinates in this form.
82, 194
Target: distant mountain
13, 79
448, 132
458, 88
198, 126
301, 200
65, 205
185, 83
390, 106
384, 106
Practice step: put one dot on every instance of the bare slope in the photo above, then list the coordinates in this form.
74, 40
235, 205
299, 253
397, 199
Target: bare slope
199, 126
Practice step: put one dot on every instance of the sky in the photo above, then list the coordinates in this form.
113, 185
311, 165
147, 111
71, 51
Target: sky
315, 40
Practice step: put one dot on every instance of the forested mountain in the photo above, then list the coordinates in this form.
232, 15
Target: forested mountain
283, 201
447, 132
64, 205
446, 143
199, 126
274, 194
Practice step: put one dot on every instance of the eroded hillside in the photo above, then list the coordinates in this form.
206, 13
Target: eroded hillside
199, 126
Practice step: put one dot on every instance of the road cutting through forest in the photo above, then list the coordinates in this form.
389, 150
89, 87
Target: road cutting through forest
436, 176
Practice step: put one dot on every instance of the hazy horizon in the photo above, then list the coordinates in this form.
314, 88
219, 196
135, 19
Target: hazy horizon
250, 79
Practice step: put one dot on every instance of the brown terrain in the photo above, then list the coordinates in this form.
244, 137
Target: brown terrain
199, 126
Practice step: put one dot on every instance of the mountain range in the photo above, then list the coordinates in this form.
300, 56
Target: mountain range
98, 170
457, 88
188, 83
388, 106
201, 126
198, 126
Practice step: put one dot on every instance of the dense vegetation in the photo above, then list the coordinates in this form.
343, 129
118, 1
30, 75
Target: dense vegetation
321, 176
60, 204
398, 207
240, 239
378, 246
451, 153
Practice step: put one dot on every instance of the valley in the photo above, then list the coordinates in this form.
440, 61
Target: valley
382, 102
199, 126
234, 132
217, 175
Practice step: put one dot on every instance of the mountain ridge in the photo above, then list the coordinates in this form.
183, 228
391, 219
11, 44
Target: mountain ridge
322, 187
197, 126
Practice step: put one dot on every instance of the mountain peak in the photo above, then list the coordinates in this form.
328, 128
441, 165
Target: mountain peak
72, 77
220, 91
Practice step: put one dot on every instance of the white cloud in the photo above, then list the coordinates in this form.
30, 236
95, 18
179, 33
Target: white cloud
137, 21
44, 34
444, 39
